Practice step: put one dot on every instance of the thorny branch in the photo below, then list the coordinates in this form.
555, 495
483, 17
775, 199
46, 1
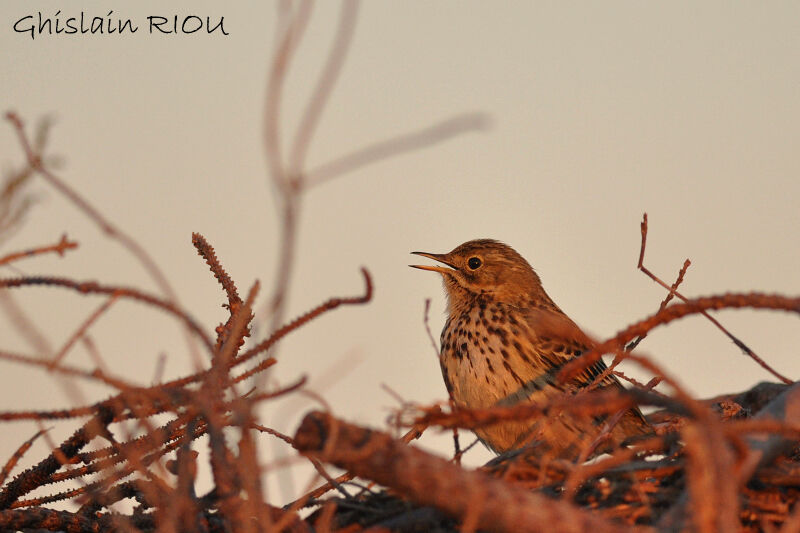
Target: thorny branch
205, 412
235, 303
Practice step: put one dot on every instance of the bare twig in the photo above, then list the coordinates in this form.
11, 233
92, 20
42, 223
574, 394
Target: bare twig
673, 312
672, 290
399, 145
35, 162
331, 304
60, 248
81, 331
288, 198
337, 54
91, 287
97, 374
428, 326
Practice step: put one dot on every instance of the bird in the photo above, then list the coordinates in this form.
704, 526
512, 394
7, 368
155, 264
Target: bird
504, 341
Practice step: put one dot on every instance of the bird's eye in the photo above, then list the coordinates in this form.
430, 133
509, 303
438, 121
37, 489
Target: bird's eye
474, 263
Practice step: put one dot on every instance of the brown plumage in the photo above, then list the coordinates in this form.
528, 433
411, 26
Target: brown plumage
503, 343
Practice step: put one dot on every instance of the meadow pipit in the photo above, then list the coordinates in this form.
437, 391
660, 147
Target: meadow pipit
504, 342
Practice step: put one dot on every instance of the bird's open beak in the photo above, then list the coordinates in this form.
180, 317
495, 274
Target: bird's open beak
436, 257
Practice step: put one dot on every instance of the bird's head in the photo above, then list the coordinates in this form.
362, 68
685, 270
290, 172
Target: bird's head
485, 267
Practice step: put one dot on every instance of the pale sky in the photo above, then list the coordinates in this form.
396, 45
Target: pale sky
599, 112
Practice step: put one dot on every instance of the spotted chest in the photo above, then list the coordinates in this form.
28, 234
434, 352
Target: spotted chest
491, 356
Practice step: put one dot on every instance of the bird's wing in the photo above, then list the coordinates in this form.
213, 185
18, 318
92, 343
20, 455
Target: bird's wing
560, 340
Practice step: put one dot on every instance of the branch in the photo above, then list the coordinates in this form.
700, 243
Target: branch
673, 291
487, 503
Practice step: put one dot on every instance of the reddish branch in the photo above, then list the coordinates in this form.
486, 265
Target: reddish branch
298, 322
15, 520
673, 312
67, 370
206, 251
199, 412
668, 298
235, 303
35, 163
92, 287
673, 292
593, 403
35, 476
470, 496
60, 248
81, 331
12, 461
